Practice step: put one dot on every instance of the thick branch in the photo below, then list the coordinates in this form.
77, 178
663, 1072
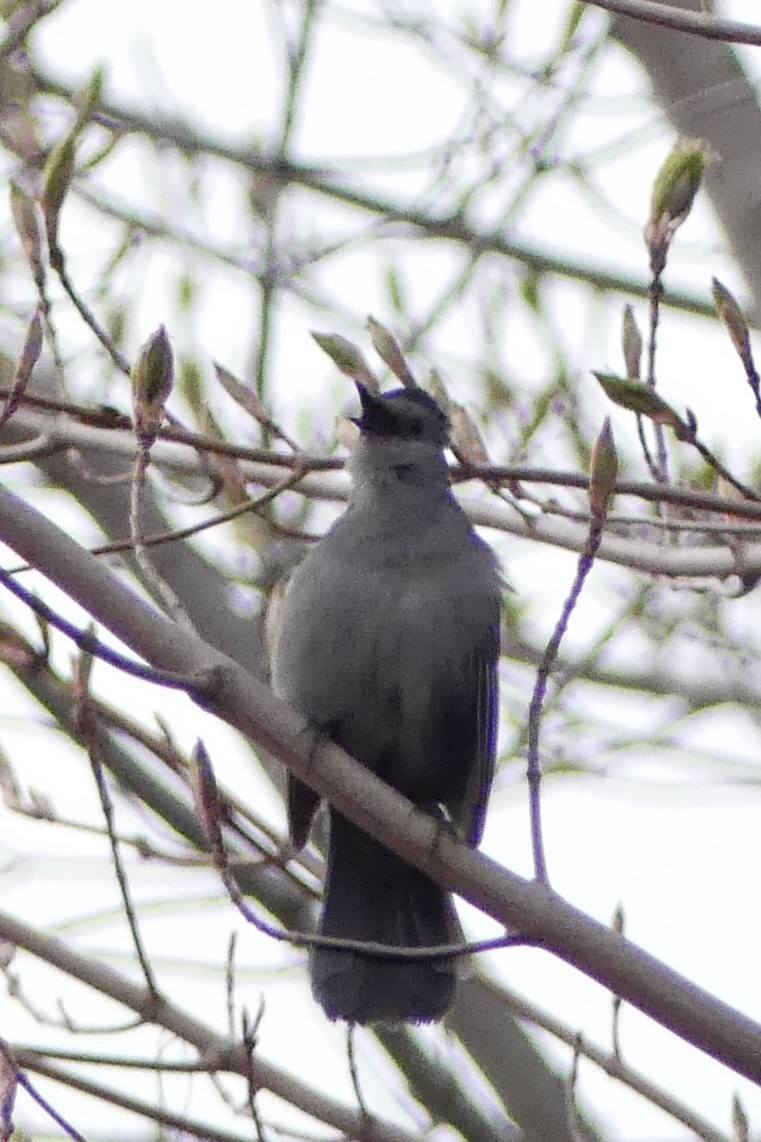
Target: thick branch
528, 908
701, 23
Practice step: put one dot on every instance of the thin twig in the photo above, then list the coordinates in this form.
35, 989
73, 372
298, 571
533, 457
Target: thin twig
534, 771
183, 1123
207, 802
23, 20
751, 373
655, 293
618, 926
351, 1055
171, 536
58, 262
650, 463
35, 1095
714, 462
29, 357
572, 1115
296, 62
121, 875
608, 1062
87, 641
230, 983
154, 580
43, 444
250, 1032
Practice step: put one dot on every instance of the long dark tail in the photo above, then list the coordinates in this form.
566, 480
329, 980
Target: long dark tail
372, 894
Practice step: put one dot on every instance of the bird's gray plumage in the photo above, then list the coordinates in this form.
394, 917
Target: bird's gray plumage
389, 643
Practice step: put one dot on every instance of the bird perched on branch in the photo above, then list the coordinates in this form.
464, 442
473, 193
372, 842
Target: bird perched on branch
389, 643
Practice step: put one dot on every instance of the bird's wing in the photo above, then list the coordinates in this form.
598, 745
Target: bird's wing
472, 815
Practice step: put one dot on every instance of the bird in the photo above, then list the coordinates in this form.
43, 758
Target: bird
389, 645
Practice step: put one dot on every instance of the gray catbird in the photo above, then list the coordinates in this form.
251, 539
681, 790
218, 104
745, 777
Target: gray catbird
389, 643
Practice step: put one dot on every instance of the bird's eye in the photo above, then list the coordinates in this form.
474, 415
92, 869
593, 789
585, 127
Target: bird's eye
416, 428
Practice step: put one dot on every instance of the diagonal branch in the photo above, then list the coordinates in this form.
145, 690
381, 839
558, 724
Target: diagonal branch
220, 1053
225, 689
702, 23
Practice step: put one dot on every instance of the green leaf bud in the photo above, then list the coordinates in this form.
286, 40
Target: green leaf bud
602, 472
347, 357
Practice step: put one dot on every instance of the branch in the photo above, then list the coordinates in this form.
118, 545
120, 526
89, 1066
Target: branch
219, 1053
326, 483
112, 433
495, 997
225, 689
183, 1123
705, 92
24, 20
450, 227
703, 24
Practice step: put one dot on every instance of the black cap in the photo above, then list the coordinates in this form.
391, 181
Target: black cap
407, 414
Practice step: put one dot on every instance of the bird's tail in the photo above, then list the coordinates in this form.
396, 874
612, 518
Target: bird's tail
371, 894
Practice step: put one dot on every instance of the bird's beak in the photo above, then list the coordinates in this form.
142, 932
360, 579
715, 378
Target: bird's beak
373, 409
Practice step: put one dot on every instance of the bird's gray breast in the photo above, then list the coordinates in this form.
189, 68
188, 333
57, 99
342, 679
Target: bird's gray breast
379, 638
